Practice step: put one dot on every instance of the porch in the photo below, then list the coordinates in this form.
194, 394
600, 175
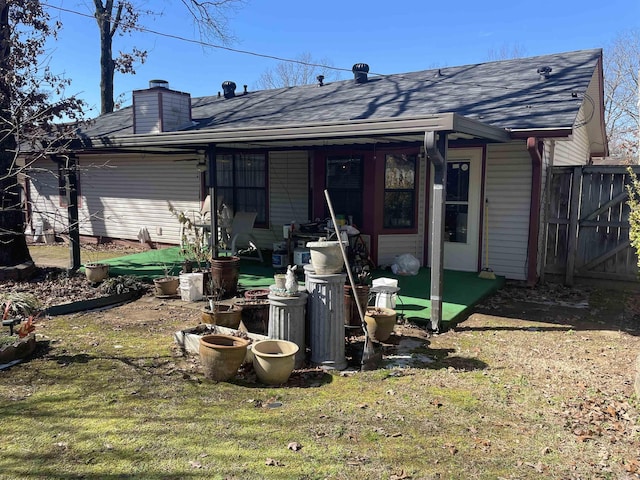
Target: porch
462, 290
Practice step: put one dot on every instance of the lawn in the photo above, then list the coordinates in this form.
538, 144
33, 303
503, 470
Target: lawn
520, 389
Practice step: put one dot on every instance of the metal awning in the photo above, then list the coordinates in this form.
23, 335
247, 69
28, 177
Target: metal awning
387, 130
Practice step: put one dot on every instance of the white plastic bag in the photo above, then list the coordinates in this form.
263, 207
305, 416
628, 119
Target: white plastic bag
406, 264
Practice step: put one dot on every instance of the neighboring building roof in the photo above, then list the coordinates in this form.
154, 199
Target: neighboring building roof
509, 94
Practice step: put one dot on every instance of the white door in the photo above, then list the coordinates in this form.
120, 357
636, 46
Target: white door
462, 209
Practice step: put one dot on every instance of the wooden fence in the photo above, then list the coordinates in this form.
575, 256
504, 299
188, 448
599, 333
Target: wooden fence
587, 232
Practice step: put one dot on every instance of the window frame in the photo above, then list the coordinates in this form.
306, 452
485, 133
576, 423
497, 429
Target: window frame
406, 183
236, 158
335, 190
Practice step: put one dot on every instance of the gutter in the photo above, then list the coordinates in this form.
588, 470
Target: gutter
534, 147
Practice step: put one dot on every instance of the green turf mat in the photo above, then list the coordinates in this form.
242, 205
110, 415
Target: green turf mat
462, 290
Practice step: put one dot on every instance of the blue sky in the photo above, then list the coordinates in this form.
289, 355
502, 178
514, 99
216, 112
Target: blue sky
392, 37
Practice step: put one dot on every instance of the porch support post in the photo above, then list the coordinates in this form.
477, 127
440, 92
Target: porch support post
535, 148
436, 147
211, 185
68, 169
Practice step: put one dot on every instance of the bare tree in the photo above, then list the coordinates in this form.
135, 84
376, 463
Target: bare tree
124, 16
506, 52
303, 71
621, 65
29, 121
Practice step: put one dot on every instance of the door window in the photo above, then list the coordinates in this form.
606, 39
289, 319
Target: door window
457, 202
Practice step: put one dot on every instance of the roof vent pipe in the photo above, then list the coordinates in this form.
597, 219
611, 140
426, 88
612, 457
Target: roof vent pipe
158, 84
360, 71
544, 72
229, 89
320, 79
245, 89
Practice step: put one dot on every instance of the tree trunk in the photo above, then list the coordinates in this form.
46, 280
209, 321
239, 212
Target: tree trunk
13, 244
107, 64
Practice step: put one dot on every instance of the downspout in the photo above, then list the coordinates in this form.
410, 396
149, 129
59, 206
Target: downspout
213, 200
534, 147
436, 148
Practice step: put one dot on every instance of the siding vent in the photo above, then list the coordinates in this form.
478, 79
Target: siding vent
360, 71
544, 72
229, 89
159, 109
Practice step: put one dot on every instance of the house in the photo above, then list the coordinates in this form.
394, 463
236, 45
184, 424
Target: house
445, 164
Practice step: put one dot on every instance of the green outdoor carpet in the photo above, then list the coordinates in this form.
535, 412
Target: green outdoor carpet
462, 290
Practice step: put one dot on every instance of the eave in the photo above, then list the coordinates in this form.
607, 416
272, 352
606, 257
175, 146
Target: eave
388, 130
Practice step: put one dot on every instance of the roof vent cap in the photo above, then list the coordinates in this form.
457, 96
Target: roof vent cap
158, 84
544, 72
229, 89
360, 71
320, 79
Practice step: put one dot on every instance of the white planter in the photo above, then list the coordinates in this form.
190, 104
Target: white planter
326, 257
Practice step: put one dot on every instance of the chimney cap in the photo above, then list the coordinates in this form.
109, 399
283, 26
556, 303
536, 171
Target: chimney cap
157, 83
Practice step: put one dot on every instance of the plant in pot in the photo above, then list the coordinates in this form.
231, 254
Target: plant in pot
362, 277
21, 342
166, 286
221, 314
95, 270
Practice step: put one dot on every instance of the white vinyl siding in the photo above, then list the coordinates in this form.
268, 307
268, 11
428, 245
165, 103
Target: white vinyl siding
44, 196
288, 194
575, 150
508, 190
127, 194
159, 110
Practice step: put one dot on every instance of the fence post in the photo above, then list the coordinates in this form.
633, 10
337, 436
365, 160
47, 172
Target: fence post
572, 232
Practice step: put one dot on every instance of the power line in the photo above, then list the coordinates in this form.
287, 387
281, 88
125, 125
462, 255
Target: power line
207, 44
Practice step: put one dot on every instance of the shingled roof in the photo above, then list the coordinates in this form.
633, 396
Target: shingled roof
509, 94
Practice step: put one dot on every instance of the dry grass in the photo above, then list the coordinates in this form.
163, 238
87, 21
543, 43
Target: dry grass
499, 397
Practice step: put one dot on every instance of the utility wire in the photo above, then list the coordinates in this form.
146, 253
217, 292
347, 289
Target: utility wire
206, 44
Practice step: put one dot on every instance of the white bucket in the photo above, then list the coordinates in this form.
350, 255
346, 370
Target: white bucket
192, 286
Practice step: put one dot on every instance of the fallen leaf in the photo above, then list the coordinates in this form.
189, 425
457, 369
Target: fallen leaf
195, 464
295, 446
400, 476
270, 462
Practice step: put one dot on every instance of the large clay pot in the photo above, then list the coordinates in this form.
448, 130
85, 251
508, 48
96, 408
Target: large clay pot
223, 315
351, 314
166, 286
326, 257
221, 356
224, 275
380, 322
96, 272
273, 360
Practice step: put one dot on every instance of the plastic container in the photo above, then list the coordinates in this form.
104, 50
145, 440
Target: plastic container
278, 260
192, 286
301, 257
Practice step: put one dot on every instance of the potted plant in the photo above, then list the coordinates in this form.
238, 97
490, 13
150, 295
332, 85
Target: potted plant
18, 344
380, 322
95, 270
223, 315
362, 278
166, 286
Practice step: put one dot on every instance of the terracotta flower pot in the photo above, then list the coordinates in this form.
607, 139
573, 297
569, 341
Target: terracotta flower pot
96, 272
380, 322
351, 314
224, 316
221, 356
166, 286
273, 360
224, 275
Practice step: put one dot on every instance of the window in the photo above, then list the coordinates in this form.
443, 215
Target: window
457, 202
242, 183
399, 191
344, 183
